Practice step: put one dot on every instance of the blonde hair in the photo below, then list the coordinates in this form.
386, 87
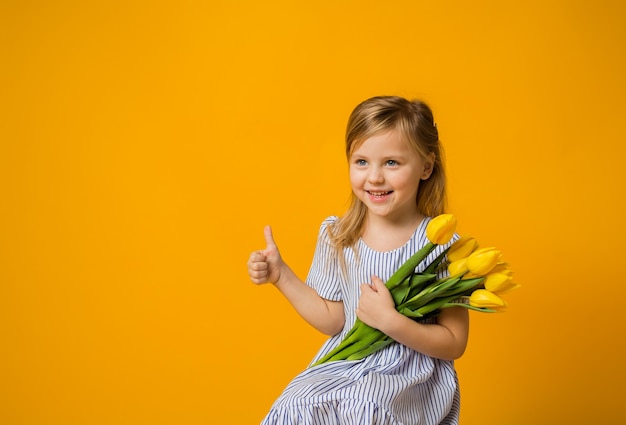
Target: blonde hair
413, 120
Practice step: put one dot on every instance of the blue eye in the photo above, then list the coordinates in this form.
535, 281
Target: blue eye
361, 162
392, 162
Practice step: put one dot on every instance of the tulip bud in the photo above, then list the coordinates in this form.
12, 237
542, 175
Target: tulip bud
441, 229
462, 248
502, 268
499, 283
482, 261
511, 287
485, 299
457, 267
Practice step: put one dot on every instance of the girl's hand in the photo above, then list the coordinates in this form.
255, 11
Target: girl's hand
376, 306
265, 266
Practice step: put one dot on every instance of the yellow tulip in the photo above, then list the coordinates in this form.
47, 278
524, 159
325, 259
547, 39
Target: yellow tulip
485, 299
512, 286
509, 289
462, 248
483, 260
499, 283
441, 229
457, 267
502, 268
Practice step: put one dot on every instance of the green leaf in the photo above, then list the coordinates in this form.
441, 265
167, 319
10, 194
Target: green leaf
435, 264
429, 293
378, 345
400, 292
469, 307
359, 337
408, 268
409, 313
363, 343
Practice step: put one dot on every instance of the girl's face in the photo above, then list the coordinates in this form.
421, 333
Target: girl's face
385, 174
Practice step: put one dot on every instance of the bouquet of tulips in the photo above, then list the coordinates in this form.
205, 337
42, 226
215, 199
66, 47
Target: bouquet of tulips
477, 278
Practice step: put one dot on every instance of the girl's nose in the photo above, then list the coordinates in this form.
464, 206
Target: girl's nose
375, 175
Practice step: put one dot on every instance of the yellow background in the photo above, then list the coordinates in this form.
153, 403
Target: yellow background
144, 145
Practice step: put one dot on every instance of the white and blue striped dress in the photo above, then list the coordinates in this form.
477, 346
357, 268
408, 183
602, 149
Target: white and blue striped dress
393, 386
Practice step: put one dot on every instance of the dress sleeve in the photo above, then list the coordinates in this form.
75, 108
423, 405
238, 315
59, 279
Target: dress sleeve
324, 275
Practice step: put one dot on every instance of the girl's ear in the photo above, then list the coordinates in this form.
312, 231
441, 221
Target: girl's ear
429, 164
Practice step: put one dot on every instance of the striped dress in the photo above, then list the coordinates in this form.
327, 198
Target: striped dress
393, 386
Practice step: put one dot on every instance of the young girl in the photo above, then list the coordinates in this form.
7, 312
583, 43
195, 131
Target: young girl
398, 183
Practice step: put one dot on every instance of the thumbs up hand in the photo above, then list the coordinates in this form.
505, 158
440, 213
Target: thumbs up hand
265, 266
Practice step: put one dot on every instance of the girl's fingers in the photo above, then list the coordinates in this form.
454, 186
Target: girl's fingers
256, 256
379, 285
377, 280
366, 288
257, 267
258, 275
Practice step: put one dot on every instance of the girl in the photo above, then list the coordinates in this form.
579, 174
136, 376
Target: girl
398, 183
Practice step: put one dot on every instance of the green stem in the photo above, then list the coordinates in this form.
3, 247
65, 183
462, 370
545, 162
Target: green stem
418, 282
435, 264
434, 298
429, 293
469, 307
408, 268
400, 292
378, 345
374, 337
357, 333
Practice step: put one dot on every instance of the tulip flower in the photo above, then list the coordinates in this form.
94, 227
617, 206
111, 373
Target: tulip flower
502, 268
458, 267
499, 283
441, 229
482, 261
511, 287
462, 248
484, 299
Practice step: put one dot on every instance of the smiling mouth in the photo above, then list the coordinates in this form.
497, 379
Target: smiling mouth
378, 194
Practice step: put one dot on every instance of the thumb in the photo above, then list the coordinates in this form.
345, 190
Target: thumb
269, 238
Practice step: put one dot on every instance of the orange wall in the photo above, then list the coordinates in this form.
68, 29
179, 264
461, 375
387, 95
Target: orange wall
143, 147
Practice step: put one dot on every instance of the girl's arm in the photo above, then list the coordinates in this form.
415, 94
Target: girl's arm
267, 266
445, 339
